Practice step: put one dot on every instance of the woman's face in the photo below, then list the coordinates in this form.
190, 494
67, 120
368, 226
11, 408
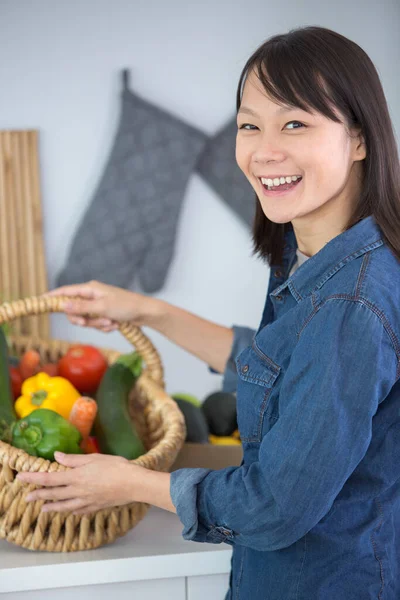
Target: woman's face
274, 142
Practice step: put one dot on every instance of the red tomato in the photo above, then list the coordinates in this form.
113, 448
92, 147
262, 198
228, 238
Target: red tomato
90, 445
84, 367
16, 381
50, 368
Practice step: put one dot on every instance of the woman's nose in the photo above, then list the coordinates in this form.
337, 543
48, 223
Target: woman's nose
268, 150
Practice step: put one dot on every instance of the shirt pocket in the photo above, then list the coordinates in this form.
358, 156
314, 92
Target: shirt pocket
257, 375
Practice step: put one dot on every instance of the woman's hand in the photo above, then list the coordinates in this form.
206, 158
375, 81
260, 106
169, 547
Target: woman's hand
98, 481
104, 306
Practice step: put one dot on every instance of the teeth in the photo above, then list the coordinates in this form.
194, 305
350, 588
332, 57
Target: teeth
279, 180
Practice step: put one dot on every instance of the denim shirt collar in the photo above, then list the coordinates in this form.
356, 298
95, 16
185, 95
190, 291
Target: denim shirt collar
359, 239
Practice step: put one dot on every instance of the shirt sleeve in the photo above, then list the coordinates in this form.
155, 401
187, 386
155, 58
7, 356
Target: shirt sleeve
327, 402
242, 337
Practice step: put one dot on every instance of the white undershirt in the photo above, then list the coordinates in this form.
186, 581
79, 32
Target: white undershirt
301, 258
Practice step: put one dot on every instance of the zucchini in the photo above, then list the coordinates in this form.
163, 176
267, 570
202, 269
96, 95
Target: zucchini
8, 416
113, 427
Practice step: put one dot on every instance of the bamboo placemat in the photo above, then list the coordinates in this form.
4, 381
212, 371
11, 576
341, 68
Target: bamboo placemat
23, 270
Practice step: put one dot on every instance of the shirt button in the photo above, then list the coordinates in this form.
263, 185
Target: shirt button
245, 368
279, 298
278, 274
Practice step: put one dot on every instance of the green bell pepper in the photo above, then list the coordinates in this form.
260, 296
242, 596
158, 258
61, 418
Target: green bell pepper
44, 431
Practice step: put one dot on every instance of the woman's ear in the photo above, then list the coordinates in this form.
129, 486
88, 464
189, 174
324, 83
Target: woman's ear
360, 146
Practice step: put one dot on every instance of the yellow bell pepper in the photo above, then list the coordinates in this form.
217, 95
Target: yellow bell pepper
223, 440
43, 391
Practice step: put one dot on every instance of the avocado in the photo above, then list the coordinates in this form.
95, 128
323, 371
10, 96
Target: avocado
219, 410
188, 398
196, 424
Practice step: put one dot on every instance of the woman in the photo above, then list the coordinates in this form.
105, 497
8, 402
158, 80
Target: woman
313, 510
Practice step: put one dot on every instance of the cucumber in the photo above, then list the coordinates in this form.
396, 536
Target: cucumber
113, 427
8, 416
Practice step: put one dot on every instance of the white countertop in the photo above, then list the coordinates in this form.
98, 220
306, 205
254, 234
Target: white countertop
154, 549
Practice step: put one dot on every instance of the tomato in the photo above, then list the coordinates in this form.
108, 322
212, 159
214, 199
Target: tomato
90, 445
16, 381
84, 367
50, 368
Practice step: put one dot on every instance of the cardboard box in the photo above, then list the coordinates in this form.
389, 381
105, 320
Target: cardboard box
208, 456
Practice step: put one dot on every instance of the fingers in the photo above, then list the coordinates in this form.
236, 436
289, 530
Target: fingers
73, 460
87, 509
105, 325
61, 477
64, 506
101, 323
55, 493
108, 328
46, 479
78, 321
84, 290
86, 306
83, 307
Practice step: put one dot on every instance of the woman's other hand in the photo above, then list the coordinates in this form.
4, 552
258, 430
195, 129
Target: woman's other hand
95, 482
104, 306
98, 481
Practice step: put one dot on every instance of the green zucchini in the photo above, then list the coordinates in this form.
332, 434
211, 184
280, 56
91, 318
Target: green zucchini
113, 427
8, 415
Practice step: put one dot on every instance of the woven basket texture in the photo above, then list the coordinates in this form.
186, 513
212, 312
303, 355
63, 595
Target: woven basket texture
158, 421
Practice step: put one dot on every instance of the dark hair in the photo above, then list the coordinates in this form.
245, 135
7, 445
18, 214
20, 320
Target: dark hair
314, 67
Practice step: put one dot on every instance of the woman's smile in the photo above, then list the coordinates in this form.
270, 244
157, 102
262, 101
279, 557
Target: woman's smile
281, 189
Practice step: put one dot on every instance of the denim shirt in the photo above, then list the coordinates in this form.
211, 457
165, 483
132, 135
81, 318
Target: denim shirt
313, 511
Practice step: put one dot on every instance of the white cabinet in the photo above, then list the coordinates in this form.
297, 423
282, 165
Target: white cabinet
151, 562
202, 587
171, 589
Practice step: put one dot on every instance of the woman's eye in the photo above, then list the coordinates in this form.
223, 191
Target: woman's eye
298, 122
247, 125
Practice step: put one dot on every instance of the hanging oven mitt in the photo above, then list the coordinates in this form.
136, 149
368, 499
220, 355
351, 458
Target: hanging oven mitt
130, 225
217, 165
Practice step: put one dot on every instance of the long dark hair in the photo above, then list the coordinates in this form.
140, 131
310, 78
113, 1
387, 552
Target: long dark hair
314, 67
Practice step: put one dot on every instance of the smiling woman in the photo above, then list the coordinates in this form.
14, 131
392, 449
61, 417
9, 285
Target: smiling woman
313, 511
309, 513
319, 155
313, 95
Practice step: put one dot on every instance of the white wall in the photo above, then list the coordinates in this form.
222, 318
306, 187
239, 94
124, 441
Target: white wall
59, 73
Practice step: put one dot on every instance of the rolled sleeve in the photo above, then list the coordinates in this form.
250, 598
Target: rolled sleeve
184, 489
327, 403
242, 337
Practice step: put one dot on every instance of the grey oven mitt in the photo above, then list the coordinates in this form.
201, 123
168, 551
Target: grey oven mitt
217, 165
130, 225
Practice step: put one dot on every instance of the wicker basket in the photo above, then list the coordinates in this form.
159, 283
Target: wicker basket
157, 418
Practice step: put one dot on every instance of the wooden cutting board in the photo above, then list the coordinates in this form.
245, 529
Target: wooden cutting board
23, 270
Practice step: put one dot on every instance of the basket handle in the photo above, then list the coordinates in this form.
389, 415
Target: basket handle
37, 305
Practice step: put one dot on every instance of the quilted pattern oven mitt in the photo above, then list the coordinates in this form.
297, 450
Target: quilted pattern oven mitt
130, 225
